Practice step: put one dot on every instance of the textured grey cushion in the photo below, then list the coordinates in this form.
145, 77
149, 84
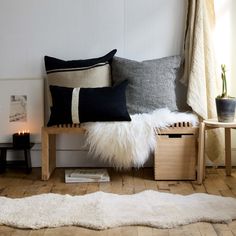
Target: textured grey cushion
151, 83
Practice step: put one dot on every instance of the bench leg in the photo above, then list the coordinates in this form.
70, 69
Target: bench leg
3, 160
48, 154
52, 152
45, 155
228, 151
28, 160
201, 159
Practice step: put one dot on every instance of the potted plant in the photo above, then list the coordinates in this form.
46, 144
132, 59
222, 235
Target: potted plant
225, 105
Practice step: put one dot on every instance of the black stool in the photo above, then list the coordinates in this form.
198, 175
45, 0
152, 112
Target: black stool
3, 157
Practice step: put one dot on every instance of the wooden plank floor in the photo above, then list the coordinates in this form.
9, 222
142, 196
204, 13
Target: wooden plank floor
18, 184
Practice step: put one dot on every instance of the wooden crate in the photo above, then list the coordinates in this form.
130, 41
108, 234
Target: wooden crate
176, 152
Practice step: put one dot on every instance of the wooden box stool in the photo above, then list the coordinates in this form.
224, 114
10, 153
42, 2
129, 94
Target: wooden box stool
214, 124
175, 156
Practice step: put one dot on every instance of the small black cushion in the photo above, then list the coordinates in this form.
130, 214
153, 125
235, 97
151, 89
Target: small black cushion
95, 104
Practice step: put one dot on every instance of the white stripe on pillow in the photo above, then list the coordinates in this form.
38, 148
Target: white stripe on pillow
75, 106
77, 68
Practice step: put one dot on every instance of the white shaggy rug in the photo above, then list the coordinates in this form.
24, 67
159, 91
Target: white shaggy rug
101, 210
129, 144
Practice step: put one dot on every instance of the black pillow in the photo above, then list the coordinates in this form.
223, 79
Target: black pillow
78, 105
86, 73
52, 63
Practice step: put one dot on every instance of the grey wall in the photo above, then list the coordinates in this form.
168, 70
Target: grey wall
73, 29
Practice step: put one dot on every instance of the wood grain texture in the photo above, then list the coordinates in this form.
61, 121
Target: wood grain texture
208, 125
201, 155
228, 150
48, 136
176, 153
15, 183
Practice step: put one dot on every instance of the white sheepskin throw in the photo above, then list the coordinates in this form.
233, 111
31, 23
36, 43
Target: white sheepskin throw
129, 144
101, 210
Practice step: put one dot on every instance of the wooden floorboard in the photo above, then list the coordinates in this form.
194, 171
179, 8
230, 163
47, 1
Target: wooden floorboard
14, 183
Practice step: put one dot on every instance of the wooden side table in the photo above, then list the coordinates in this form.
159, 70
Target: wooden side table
213, 124
3, 157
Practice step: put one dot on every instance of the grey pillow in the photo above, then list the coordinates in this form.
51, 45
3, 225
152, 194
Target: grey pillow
151, 83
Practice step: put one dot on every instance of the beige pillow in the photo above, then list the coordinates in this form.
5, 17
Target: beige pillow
88, 73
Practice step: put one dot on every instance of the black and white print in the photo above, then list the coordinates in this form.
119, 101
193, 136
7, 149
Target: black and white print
18, 108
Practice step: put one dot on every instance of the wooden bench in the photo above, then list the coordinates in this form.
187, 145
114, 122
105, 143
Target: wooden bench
49, 144
48, 136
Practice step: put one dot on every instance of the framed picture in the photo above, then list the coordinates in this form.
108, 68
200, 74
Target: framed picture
21, 108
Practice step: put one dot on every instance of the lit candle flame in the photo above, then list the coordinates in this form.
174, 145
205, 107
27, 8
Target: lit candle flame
23, 132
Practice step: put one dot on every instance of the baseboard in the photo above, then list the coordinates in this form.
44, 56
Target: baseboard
73, 158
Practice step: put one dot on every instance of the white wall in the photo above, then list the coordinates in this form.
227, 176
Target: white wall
73, 29
226, 48
233, 45
33, 89
233, 65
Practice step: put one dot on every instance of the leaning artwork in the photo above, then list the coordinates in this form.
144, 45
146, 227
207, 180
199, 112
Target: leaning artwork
18, 108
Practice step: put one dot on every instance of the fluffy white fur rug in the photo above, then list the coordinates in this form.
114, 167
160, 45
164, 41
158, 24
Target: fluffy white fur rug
129, 144
101, 210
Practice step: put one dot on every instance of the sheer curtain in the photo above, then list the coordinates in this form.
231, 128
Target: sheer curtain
200, 73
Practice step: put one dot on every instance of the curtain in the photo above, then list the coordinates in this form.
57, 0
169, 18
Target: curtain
200, 74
